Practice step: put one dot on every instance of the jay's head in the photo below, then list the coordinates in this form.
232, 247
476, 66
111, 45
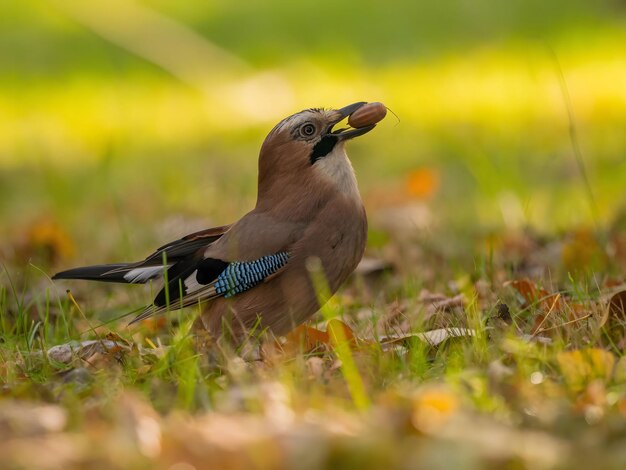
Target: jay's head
306, 150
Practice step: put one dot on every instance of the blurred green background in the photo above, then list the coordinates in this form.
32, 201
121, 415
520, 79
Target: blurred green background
127, 123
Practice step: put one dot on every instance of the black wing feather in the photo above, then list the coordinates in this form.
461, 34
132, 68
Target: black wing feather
176, 252
179, 249
102, 272
206, 271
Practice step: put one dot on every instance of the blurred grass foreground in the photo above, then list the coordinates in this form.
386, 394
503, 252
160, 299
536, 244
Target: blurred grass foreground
488, 327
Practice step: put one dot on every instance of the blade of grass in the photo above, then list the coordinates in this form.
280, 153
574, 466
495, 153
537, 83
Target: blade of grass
573, 135
340, 343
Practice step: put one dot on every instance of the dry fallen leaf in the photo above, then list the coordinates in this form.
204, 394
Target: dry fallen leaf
432, 337
614, 319
548, 302
617, 305
307, 339
338, 331
434, 303
85, 350
534, 294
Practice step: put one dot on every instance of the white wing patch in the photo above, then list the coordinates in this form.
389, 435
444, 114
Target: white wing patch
191, 283
140, 275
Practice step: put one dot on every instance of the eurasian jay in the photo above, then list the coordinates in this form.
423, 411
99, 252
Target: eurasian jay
253, 274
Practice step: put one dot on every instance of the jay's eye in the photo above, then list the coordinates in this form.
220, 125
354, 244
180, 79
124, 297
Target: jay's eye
307, 130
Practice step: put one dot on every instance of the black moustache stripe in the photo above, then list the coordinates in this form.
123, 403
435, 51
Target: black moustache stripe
323, 147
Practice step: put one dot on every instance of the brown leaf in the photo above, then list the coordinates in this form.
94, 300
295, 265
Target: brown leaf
617, 305
85, 350
115, 337
305, 338
614, 318
534, 294
432, 337
393, 318
434, 303
154, 324
338, 331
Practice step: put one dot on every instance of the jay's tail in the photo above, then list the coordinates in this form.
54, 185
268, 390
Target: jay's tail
125, 273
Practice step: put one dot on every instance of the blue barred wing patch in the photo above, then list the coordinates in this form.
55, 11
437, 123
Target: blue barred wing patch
240, 276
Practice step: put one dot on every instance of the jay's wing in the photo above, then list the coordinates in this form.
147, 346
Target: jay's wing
255, 249
200, 266
171, 258
208, 278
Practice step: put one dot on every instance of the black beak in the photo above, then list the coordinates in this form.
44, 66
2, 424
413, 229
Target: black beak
348, 133
348, 110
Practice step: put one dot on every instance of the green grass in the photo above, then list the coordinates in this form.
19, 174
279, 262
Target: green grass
378, 406
106, 154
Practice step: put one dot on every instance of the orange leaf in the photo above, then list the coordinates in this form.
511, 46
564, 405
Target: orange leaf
534, 294
337, 330
49, 238
154, 324
422, 183
305, 337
